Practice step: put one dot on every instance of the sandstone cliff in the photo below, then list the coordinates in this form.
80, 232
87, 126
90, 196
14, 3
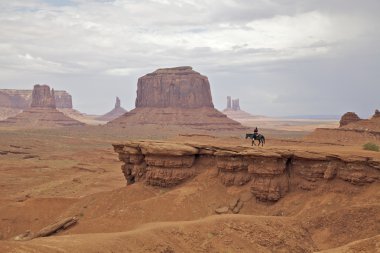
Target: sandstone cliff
270, 173
176, 96
115, 113
42, 113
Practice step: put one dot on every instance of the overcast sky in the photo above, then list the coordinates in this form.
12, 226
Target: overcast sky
280, 57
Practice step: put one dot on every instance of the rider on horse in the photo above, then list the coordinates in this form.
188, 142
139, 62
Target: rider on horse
256, 136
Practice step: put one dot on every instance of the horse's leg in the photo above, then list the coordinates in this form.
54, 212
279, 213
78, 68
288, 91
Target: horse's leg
253, 142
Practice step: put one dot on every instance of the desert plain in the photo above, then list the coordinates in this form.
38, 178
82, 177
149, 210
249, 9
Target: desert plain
176, 175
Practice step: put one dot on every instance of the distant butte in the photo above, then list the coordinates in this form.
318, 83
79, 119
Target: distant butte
233, 110
176, 96
42, 112
115, 113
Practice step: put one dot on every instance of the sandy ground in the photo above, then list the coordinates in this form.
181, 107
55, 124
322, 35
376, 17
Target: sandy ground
47, 175
287, 124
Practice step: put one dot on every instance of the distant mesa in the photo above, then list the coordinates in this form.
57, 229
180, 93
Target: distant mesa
175, 96
115, 113
22, 99
233, 110
42, 112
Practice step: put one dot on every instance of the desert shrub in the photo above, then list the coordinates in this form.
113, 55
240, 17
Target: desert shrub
371, 146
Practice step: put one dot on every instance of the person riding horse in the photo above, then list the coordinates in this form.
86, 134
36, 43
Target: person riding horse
256, 136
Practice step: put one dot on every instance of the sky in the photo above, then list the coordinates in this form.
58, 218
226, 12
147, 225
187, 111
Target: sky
280, 57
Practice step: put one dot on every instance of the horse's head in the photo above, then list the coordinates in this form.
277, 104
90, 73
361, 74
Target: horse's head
246, 136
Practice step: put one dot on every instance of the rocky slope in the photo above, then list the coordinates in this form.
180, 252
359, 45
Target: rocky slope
175, 96
271, 174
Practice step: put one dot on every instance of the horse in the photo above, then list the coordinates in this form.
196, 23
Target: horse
256, 136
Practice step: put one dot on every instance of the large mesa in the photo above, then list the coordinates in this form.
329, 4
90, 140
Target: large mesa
42, 112
179, 87
176, 96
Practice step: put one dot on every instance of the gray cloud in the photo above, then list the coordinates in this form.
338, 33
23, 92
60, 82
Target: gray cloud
279, 57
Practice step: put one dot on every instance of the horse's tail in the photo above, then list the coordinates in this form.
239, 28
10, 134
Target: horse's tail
263, 139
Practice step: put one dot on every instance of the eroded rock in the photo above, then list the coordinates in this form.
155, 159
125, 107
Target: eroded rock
270, 175
348, 118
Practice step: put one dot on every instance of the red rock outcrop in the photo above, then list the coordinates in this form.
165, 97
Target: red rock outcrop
175, 96
115, 113
348, 118
270, 174
42, 113
352, 130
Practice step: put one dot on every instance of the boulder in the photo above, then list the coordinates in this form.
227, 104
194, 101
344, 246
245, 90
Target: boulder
221, 210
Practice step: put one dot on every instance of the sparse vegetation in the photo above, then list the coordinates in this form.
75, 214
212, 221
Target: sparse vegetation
371, 146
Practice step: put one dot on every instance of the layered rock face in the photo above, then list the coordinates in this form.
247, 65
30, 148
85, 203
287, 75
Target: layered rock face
180, 87
175, 96
22, 99
42, 113
348, 118
270, 174
115, 113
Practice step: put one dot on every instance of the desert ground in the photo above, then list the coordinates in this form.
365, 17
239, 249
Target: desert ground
47, 175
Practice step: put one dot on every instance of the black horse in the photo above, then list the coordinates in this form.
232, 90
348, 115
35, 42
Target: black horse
256, 136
